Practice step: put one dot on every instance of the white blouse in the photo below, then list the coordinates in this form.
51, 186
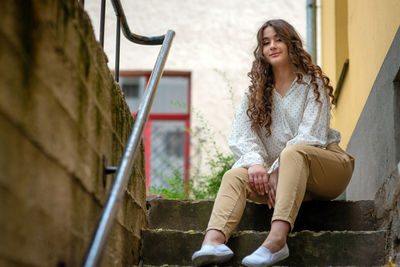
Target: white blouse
297, 118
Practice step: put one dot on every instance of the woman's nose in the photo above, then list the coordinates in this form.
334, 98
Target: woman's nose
273, 44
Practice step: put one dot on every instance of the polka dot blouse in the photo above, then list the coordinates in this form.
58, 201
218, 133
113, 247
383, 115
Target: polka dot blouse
297, 118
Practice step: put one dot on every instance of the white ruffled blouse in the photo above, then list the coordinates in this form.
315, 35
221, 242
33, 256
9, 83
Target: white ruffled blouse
297, 118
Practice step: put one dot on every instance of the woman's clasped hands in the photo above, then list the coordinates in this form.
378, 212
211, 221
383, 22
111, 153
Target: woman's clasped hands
263, 183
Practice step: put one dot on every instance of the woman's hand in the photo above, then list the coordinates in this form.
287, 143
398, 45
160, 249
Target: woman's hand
258, 179
273, 182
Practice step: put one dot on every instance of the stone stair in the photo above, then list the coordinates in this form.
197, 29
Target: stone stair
327, 233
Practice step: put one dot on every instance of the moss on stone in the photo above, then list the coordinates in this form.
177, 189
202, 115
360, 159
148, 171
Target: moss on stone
66, 12
119, 118
82, 104
99, 123
99, 88
83, 58
28, 29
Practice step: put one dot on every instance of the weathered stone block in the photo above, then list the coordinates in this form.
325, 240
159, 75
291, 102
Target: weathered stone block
194, 215
306, 248
387, 202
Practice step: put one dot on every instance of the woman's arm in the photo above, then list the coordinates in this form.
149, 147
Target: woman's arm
244, 142
248, 149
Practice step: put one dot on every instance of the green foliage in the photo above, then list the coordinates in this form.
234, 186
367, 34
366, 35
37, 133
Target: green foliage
211, 183
230, 89
207, 187
176, 187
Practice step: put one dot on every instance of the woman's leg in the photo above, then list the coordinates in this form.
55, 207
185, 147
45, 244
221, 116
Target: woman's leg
227, 211
323, 173
229, 206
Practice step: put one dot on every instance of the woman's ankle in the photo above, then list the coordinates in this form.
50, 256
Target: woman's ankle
274, 243
276, 239
214, 238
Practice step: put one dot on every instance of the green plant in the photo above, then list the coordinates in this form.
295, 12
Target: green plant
176, 186
211, 183
230, 89
199, 186
207, 187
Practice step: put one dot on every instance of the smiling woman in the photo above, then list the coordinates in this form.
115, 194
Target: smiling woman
285, 151
274, 49
276, 54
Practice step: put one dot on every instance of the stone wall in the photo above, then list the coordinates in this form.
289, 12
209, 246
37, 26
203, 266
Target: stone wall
61, 114
387, 201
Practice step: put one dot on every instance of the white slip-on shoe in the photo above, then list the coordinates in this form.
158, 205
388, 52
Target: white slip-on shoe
212, 254
262, 257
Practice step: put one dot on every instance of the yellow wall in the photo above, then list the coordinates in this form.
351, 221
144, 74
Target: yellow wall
361, 30
328, 39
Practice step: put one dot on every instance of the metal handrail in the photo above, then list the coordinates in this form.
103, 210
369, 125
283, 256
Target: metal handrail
124, 170
114, 199
121, 19
138, 39
120, 14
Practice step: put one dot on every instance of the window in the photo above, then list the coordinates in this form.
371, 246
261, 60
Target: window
166, 139
133, 88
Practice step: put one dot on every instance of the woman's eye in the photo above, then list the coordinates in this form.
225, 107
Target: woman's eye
266, 43
279, 40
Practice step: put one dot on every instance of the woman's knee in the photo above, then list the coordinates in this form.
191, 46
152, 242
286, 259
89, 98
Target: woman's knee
235, 175
293, 150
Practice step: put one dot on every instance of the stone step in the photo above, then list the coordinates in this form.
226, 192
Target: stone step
307, 248
314, 215
168, 265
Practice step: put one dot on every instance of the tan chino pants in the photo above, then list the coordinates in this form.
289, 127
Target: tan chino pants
304, 172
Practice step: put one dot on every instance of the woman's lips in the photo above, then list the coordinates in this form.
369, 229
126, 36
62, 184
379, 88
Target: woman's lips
274, 54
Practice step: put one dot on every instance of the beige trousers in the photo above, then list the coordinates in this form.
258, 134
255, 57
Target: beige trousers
305, 173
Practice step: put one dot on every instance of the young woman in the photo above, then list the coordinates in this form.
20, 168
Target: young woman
286, 152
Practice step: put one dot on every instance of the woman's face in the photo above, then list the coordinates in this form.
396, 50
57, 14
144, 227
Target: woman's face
275, 51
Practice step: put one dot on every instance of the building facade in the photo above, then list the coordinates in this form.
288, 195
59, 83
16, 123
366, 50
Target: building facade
362, 37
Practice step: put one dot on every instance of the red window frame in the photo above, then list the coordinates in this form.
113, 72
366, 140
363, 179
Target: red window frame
164, 117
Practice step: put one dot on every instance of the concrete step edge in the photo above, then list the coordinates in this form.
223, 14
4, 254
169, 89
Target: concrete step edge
188, 214
169, 265
237, 233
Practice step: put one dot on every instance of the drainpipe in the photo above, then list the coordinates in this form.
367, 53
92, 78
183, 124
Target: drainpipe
311, 29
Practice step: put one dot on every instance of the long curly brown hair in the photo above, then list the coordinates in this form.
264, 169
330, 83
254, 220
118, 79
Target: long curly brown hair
262, 78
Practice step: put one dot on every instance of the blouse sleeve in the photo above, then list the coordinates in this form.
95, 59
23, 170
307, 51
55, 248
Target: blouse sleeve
314, 126
244, 142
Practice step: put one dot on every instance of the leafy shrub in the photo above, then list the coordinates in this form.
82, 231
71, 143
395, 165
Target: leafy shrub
218, 166
176, 187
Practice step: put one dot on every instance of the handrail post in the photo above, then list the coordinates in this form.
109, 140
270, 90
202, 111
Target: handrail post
117, 49
103, 230
102, 21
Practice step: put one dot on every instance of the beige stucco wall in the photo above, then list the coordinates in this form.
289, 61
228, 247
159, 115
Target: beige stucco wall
210, 35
